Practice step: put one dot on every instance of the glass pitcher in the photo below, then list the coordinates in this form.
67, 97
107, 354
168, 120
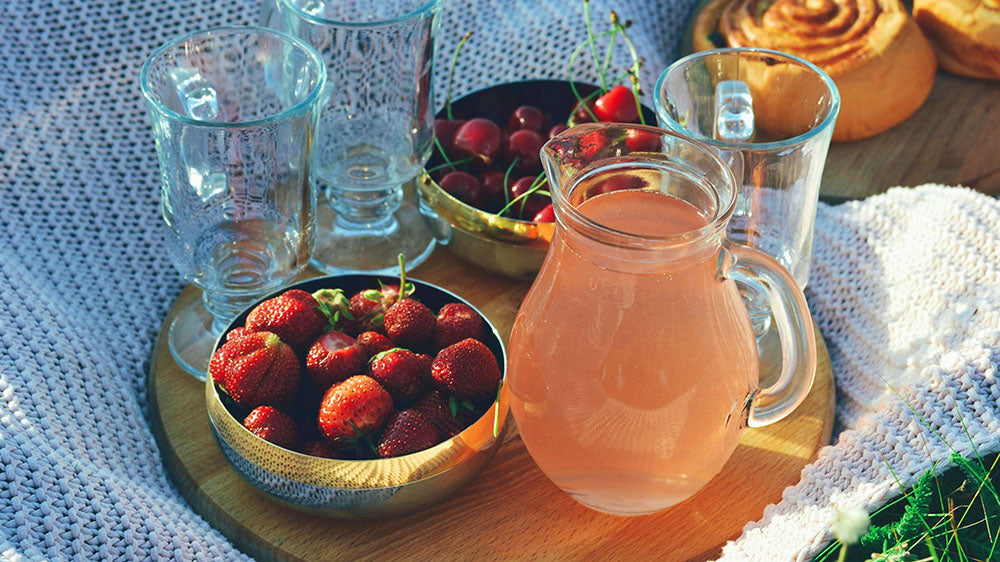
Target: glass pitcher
633, 363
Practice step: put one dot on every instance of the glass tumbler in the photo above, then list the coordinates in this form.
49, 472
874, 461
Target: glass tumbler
376, 130
234, 112
770, 116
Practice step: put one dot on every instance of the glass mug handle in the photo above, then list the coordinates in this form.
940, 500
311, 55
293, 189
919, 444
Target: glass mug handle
765, 276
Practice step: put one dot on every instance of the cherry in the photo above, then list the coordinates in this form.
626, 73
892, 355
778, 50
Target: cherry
493, 189
530, 205
639, 140
557, 129
478, 137
547, 214
617, 106
526, 117
525, 145
445, 131
617, 182
464, 187
580, 113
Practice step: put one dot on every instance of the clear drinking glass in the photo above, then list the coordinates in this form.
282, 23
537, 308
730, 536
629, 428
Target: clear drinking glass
234, 113
770, 116
376, 130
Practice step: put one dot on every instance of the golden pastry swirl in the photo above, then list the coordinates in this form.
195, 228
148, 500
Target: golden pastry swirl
881, 63
966, 34
832, 34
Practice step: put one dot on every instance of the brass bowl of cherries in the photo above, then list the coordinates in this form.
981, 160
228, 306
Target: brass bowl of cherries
485, 177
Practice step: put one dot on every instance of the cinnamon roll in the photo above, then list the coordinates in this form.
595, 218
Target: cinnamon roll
965, 34
874, 51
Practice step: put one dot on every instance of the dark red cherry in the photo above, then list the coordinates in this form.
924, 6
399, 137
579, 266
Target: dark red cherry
478, 137
530, 205
445, 131
617, 106
547, 214
580, 113
493, 189
525, 145
617, 182
557, 129
639, 140
464, 187
526, 117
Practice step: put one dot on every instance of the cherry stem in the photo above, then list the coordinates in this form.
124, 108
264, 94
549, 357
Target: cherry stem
449, 164
451, 75
447, 161
569, 71
607, 54
523, 198
506, 180
636, 64
593, 45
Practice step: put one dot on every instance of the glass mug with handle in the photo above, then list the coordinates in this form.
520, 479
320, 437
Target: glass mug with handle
633, 363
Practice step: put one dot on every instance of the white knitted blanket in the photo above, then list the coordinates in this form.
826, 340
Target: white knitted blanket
85, 284
906, 290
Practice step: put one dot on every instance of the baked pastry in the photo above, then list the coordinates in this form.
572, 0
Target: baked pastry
881, 63
965, 34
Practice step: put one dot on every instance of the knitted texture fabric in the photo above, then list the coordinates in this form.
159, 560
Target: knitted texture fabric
84, 279
904, 288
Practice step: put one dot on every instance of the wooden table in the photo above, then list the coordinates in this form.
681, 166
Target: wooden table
953, 139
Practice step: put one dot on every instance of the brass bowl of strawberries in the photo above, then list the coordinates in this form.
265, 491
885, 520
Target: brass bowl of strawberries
484, 178
347, 396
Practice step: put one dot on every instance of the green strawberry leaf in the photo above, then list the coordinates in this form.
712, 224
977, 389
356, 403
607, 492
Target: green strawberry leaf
453, 406
408, 290
373, 295
382, 354
468, 405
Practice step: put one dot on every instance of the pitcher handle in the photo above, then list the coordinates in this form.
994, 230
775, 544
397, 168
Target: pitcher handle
763, 275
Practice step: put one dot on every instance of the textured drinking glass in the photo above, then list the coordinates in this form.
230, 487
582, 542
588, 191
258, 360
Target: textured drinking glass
234, 113
770, 117
376, 130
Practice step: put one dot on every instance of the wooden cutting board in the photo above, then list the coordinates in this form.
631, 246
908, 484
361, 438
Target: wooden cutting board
511, 511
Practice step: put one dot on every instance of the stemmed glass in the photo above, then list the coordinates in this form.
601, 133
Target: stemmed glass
376, 130
234, 112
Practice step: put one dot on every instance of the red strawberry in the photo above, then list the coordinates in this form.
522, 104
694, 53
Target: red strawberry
294, 315
374, 343
357, 406
369, 309
334, 357
435, 409
455, 322
467, 369
407, 432
321, 449
409, 323
237, 332
273, 425
334, 304
400, 371
256, 369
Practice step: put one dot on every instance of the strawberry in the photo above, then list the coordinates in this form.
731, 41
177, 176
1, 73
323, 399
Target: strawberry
334, 304
407, 432
273, 425
334, 357
256, 369
399, 371
356, 407
409, 323
321, 449
237, 332
294, 315
466, 369
374, 343
368, 307
436, 410
455, 322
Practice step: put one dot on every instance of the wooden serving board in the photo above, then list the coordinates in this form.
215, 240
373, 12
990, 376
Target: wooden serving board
511, 511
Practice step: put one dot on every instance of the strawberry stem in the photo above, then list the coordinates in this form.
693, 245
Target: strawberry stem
402, 277
451, 75
593, 45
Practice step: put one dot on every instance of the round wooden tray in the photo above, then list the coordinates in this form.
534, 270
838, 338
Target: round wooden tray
511, 510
